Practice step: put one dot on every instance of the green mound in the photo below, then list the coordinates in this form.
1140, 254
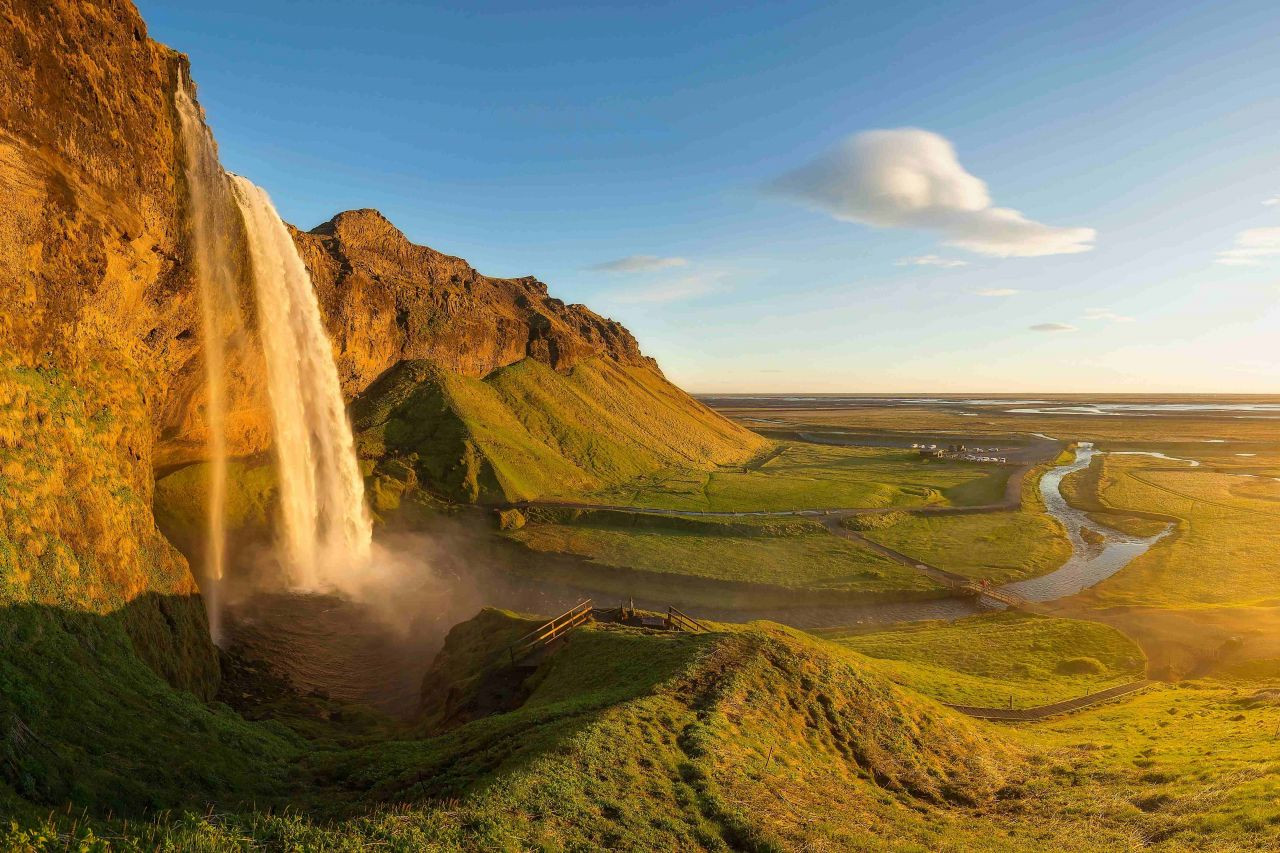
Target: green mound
989, 660
181, 502
527, 431
624, 739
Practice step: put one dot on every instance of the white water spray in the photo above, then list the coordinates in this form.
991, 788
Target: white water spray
210, 212
326, 532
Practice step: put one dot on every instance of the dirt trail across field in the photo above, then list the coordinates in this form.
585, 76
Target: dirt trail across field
1064, 707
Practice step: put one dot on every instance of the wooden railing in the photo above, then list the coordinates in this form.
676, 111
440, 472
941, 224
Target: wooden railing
684, 622
551, 631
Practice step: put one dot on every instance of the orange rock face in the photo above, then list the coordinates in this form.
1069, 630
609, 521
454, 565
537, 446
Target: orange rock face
386, 299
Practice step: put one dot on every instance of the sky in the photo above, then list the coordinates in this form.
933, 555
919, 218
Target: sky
802, 197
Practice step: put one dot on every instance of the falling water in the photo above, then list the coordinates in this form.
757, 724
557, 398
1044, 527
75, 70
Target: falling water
211, 213
326, 533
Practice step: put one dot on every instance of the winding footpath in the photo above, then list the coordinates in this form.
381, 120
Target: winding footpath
1066, 706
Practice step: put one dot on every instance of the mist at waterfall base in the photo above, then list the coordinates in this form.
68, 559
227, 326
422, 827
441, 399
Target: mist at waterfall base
369, 642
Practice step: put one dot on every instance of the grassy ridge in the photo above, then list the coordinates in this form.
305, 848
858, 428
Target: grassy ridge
986, 660
526, 431
636, 741
750, 738
87, 724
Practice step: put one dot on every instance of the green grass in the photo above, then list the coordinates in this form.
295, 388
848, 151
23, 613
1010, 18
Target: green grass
1188, 767
758, 739
997, 546
1080, 488
526, 431
811, 476
807, 561
1224, 549
986, 660
1000, 547
748, 738
181, 497
87, 724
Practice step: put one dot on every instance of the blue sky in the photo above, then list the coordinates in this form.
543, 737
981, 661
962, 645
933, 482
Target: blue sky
586, 143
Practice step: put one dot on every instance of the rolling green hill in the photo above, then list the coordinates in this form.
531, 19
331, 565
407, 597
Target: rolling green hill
752, 737
527, 431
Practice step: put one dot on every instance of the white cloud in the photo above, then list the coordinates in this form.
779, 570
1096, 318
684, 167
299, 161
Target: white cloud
911, 178
1052, 327
639, 263
930, 261
1271, 202
689, 287
996, 291
1251, 247
1104, 314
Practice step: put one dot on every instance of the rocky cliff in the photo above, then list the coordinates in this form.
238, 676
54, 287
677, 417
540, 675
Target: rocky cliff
388, 300
98, 344
500, 390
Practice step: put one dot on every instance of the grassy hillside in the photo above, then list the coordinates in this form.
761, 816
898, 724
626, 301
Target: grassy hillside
986, 660
752, 737
527, 431
759, 739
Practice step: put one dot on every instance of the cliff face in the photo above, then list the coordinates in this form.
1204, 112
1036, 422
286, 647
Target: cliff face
102, 378
388, 300
98, 334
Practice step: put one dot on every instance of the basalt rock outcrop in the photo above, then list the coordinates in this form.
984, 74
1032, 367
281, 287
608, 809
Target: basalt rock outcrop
387, 300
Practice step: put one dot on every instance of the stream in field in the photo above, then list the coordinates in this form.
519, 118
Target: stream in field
1089, 563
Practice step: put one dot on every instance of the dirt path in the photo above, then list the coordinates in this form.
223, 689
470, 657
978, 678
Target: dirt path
934, 573
1064, 707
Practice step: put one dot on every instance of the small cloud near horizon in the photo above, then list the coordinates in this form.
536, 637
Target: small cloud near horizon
639, 263
911, 178
689, 287
1251, 247
997, 291
930, 261
1053, 327
1271, 202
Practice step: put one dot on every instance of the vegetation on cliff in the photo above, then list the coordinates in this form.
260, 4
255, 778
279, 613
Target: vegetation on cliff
528, 431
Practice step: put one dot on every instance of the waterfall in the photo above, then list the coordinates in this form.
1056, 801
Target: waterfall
211, 215
325, 534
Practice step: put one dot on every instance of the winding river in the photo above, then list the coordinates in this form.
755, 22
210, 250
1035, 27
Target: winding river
1089, 563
